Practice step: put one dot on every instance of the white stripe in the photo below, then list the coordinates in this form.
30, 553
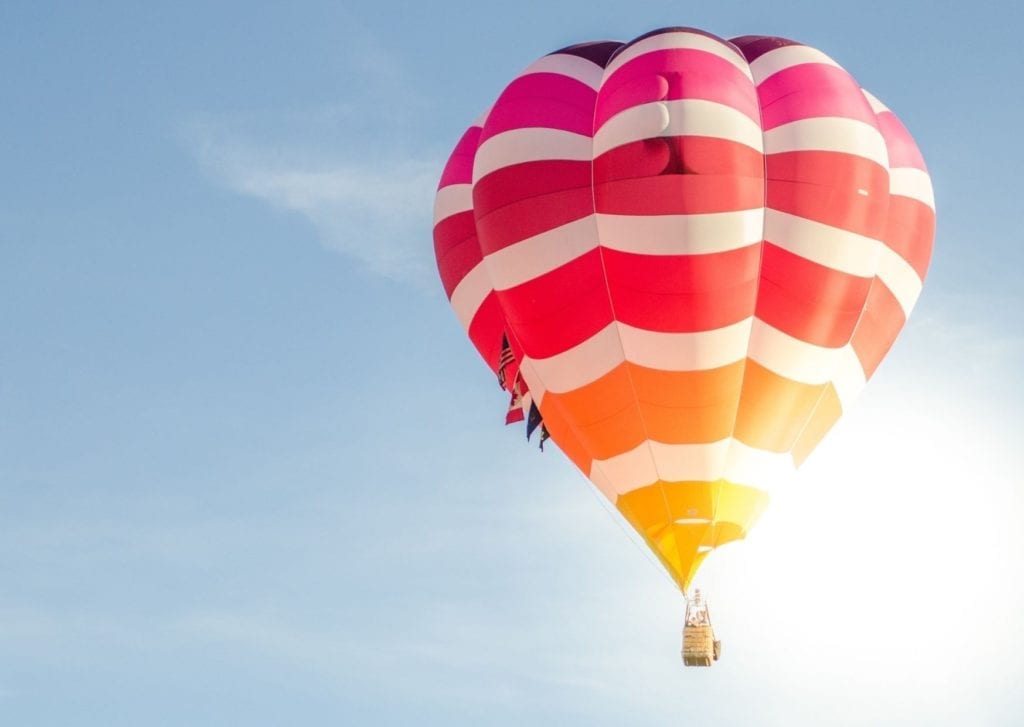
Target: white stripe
697, 351
528, 145
533, 380
913, 183
696, 234
828, 133
580, 365
451, 200
587, 362
563, 64
645, 121
530, 258
806, 363
848, 377
790, 357
602, 481
786, 57
470, 293
877, 106
679, 40
900, 278
728, 458
625, 472
777, 351
679, 117
766, 471
833, 247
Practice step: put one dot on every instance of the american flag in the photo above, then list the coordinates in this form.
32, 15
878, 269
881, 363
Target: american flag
504, 360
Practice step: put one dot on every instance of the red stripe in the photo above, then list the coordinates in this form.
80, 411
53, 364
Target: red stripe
678, 154
560, 309
485, 330
909, 230
680, 194
456, 248
683, 293
528, 179
824, 186
515, 222
832, 168
881, 323
809, 301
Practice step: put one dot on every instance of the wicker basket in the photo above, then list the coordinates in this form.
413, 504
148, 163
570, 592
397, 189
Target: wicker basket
698, 646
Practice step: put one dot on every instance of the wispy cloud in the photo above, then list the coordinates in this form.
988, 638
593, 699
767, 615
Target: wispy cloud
377, 212
354, 169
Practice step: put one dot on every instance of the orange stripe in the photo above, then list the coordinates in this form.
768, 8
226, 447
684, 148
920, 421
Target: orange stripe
826, 413
619, 433
617, 412
773, 409
632, 403
688, 407
565, 437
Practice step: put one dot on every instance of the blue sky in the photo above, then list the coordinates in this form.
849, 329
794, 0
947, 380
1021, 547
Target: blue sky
251, 472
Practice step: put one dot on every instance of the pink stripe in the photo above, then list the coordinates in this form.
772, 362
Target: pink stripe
627, 95
544, 100
675, 74
811, 90
459, 169
903, 151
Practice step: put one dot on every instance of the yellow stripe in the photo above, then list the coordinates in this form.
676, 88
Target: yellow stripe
682, 521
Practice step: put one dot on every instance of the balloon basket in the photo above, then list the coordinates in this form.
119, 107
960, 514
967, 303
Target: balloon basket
700, 647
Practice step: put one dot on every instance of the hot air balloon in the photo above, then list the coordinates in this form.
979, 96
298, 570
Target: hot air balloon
686, 256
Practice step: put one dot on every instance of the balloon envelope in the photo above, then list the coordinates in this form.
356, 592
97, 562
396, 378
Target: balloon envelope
689, 254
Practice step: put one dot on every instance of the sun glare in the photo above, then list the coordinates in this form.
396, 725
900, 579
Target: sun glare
881, 558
